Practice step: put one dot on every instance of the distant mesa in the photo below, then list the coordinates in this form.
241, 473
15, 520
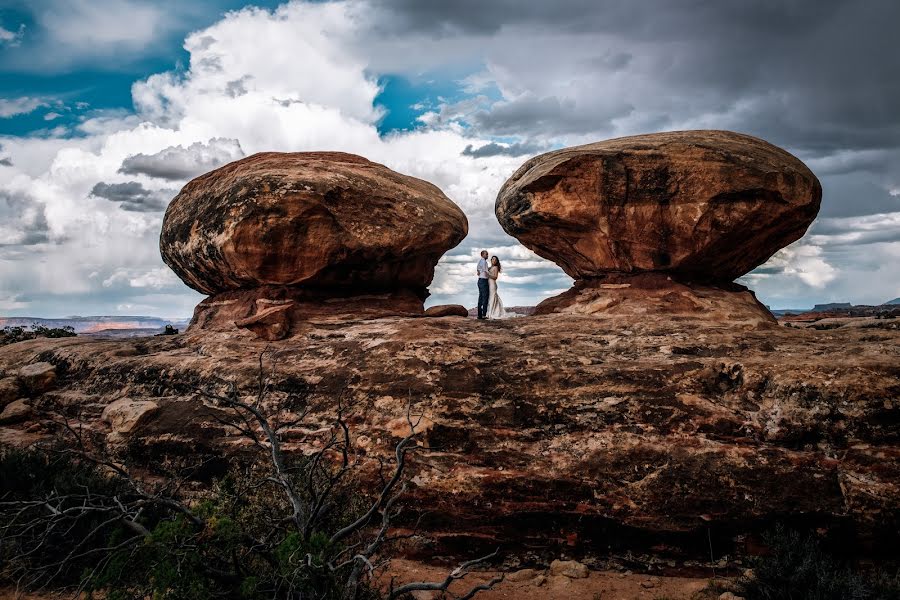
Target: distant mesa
831, 306
699, 207
276, 237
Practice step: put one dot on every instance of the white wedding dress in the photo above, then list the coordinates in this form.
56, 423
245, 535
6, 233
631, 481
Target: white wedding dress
495, 304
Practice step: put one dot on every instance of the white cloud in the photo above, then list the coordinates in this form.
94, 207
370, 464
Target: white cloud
92, 27
301, 90
12, 38
10, 107
304, 77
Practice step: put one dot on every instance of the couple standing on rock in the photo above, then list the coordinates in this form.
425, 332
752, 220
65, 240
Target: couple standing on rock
489, 304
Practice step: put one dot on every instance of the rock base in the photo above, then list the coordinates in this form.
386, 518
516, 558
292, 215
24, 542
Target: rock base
648, 294
274, 313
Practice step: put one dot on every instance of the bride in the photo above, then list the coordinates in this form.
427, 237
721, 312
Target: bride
495, 305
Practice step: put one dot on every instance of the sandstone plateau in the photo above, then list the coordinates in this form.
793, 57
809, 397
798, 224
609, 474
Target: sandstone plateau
699, 205
276, 236
559, 433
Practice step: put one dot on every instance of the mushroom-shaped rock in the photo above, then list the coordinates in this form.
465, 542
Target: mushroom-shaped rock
703, 205
319, 220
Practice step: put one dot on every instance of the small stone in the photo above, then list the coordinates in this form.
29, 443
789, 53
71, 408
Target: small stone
647, 584
569, 568
38, 378
15, 412
9, 390
730, 596
521, 575
447, 310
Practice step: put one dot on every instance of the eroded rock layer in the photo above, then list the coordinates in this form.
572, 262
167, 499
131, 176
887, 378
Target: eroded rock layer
654, 295
313, 219
635, 432
706, 205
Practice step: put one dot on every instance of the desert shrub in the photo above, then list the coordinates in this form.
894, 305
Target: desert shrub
27, 477
11, 335
230, 544
275, 525
798, 568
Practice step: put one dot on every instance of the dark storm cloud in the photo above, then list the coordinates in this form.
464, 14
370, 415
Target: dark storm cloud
6, 162
132, 196
22, 221
852, 194
495, 149
813, 75
649, 18
179, 163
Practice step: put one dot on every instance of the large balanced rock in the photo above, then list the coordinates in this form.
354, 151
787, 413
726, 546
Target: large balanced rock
702, 205
317, 219
278, 238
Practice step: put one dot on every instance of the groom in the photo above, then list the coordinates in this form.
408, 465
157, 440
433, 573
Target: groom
483, 290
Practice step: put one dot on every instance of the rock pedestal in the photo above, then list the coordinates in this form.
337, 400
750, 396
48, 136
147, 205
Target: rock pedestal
655, 295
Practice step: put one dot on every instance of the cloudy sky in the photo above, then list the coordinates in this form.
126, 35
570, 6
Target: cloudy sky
107, 107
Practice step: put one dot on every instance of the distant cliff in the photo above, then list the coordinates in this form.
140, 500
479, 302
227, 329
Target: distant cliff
95, 324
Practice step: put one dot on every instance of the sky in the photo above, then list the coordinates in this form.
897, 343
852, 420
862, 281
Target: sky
108, 107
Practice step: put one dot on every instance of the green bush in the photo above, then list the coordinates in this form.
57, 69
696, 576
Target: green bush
797, 568
234, 544
11, 335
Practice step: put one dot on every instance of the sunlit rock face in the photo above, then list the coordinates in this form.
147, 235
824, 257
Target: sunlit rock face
699, 205
554, 433
325, 230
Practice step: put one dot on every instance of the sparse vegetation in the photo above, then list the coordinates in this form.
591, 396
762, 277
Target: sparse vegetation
11, 335
798, 568
277, 525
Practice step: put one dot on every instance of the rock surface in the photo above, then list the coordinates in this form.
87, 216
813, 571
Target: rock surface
706, 205
638, 433
9, 390
617, 295
317, 219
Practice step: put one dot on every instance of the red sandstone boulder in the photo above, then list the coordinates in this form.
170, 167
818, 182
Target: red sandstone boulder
38, 378
447, 310
708, 205
313, 219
